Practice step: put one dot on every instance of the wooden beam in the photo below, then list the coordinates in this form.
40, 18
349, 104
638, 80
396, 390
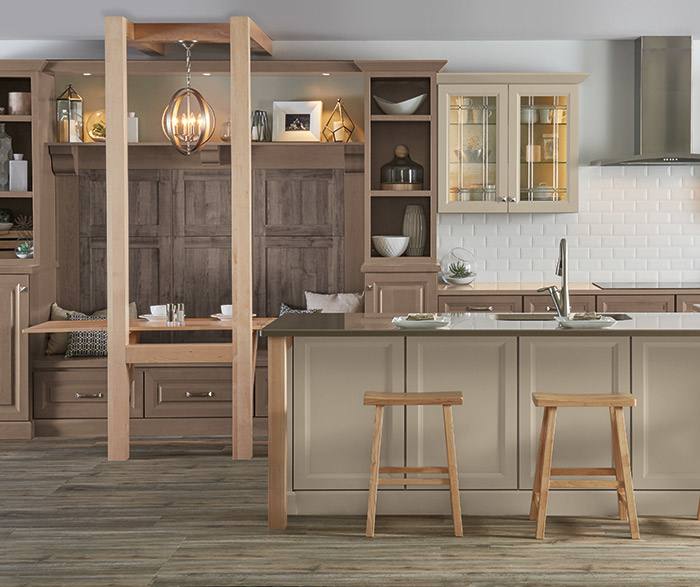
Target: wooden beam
178, 353
118, 380
259, 41
152, 32
150, 49
277, 353
241, 239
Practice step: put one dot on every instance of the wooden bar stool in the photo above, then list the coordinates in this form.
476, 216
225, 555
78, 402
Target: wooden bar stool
544, 472
444, 399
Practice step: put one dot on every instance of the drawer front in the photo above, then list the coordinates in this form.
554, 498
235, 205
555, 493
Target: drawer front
545, 304
478, 303
78, 393
687, 303
184, 392
635, 303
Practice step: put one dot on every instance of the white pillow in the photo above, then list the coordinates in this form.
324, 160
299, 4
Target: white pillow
340, 303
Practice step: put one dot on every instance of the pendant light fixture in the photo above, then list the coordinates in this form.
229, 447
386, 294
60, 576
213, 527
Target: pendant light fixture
188, 119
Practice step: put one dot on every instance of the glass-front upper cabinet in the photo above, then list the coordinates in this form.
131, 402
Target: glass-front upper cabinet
543, 146
509, 146
473, 148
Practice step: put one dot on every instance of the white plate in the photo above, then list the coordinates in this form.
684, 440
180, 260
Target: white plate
403, 322
154, 318
221, 317
603, 322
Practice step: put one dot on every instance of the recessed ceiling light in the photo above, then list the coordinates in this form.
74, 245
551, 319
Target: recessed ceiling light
326, 74
87, 74
206, 73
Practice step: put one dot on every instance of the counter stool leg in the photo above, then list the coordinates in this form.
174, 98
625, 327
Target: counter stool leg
549, 421
535, 500
374, 470
626, 472
452, 470
621, 497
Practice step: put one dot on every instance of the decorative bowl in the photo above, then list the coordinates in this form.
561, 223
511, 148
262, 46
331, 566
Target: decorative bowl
390, 246
5, 226
405, 107
460, 280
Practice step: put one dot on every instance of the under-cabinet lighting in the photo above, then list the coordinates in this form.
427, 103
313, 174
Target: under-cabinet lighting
87, 74
206, 73
326, 74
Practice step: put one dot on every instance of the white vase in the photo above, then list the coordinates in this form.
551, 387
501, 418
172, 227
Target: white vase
414, 227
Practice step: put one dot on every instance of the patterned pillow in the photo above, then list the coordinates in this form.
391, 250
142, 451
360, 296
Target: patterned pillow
286, 309
86, 343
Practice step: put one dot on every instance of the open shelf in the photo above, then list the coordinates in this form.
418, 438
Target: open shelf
399, 194
400, 117
15, 117
16, 194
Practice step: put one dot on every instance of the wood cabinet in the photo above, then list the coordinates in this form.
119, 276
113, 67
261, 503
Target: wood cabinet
665, 375
635, 303
545, 304
14, 366
400, 293
570, 365
79, 393
480, 303
508, 143
330, 379
484, 369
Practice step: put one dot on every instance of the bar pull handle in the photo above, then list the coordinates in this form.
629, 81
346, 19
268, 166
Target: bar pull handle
370, 286
98, 395
16, 321
191, 395
480, 308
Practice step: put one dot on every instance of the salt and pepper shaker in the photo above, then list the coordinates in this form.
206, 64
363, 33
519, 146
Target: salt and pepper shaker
181, 313
175, 314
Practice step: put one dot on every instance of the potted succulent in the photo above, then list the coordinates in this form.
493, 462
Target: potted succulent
459, 274
25, 250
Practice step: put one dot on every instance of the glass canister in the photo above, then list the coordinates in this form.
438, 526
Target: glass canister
69, 116
457, 266
260, 126
402, 172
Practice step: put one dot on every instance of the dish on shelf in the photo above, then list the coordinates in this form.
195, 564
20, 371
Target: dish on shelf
580, 322
5, 226
153, 318
222, 317
390, 246
436, 322
405, 107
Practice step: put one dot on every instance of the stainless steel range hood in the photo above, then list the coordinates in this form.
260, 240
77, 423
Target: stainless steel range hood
663, 75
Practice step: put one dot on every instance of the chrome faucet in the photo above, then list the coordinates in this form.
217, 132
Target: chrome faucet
560, 296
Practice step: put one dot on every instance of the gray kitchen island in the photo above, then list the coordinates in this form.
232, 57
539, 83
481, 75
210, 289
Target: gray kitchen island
320, 365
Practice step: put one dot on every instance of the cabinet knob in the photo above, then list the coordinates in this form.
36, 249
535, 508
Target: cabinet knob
370, 286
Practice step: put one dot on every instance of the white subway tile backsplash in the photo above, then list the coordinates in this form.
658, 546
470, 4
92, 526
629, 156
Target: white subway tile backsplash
634, 224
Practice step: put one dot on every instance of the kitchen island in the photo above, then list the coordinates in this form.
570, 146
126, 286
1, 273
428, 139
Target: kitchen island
320, 365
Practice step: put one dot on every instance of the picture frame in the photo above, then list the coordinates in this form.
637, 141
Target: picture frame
297, 121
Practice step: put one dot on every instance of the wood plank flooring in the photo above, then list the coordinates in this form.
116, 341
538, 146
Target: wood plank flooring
183, 513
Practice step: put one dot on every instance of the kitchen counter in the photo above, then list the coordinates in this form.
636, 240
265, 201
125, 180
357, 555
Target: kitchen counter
479, 324
320, 365
515, 288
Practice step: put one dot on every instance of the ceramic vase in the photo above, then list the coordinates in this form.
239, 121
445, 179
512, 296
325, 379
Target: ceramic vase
415, 228
5, 156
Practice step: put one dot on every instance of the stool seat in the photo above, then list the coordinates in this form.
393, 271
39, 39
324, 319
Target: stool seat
584, 400
429, 398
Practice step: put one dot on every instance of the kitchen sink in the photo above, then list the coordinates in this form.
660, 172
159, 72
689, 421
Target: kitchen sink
525, 316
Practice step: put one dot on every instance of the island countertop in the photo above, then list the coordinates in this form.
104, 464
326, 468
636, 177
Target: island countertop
639, 324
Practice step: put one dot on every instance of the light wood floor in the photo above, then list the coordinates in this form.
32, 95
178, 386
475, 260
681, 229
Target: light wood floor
185, 514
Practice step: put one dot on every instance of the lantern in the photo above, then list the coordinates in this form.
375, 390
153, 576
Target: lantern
69, 116
188, 120
340, 126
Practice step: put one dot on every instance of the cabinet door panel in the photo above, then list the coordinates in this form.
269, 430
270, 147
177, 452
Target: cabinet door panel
665, 379
570, 365
400, 293
545, 304
332, 429
688, 303
635, 303
485, 371
480, 303
184, 392
202, 202
14, 365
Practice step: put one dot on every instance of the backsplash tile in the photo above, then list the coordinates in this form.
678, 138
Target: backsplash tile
634, 224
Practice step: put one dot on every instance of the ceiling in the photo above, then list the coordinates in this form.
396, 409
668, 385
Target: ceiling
347, 20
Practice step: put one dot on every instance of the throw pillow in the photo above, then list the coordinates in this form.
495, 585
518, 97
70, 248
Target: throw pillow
86, 343
58, 341
340, 303
287, 309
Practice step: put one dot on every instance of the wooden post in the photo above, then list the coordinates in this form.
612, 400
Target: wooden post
241, 236
277, 350
118, 382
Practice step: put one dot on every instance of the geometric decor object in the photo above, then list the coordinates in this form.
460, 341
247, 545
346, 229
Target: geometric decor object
188, 119
339, 127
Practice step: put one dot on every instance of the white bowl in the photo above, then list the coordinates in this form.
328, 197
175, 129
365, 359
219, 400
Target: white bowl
5, 226
390, 246
406, 107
